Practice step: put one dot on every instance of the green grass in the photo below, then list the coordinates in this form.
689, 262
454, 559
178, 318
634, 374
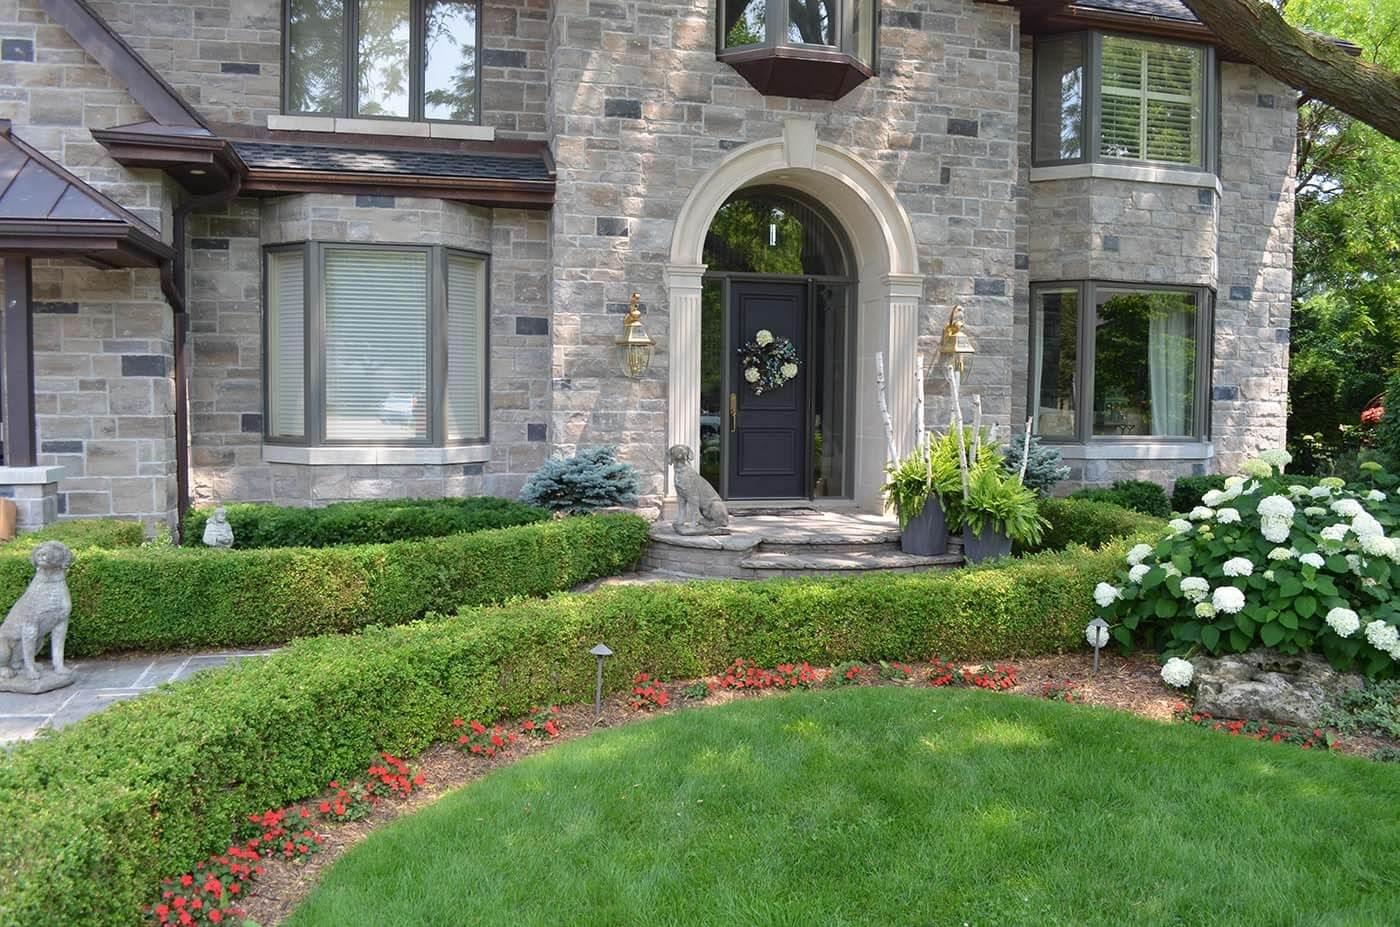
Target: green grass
892, 806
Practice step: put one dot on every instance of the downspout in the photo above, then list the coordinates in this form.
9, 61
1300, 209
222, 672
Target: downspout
174, 283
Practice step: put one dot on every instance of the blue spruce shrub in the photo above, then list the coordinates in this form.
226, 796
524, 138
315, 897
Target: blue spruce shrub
592, 479
1045, 468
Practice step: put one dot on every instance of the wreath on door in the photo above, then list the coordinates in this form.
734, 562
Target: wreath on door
768, 362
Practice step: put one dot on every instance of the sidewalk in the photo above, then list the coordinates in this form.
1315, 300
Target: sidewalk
102, 681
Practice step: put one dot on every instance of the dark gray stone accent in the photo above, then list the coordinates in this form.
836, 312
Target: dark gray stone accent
612, 226
621, 308
729, 144
1242, 293
531, 325
251, 423
977, 54
989, 286
1225, 393
536, 432
56, 308
209, 244
901, 19
473, 469
16, 49
945, 176
144, 365
623, 109
7, 492
61, 447
240, 67
1111, 243
966, 127
502, 58
1023, 262
1205, 197
1282, 335
63, 503
374, 201
1266, 101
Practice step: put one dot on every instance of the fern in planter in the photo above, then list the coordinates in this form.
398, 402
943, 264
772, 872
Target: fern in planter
910, 483
998, 499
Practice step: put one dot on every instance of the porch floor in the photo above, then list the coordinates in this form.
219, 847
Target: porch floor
787, 542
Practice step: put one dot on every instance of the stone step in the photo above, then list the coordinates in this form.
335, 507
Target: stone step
779, 563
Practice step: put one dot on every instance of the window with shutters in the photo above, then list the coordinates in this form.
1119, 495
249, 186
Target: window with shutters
1115, 98
375, 345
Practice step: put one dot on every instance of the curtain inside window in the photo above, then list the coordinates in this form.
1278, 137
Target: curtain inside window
286, 340
1171, 364
466, 348
376, 318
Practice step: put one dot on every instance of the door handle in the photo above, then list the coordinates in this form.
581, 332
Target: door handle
733, 411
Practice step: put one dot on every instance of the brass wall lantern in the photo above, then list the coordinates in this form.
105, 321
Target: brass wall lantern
634, 347
957, 347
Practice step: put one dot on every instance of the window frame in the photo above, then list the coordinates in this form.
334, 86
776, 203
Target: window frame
314, 340
350, 97
1091, 52
1085, 345
775, 35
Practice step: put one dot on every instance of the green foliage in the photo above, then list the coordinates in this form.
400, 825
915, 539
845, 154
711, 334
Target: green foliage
1372, 709
1091, 523
1143, 496
1388, 430
1268, 561
998, 498
592, 479
925, 472
1045, 468
160, 599
259, 525
1189, 490
150, 786
81, 534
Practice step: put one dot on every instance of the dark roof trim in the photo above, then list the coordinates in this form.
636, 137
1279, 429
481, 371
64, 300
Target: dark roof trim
110, 50
199, 162
517, 194
102, 243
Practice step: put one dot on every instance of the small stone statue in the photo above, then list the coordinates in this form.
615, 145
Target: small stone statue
217, 531
41, 611
700, 510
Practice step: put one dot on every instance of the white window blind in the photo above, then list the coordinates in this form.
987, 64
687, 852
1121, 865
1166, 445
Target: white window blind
376, 319
466, 341
286, 332
1150, 101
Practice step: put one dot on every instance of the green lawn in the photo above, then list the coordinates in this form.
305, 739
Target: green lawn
890, 806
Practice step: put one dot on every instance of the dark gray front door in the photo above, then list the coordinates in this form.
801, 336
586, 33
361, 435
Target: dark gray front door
768, 432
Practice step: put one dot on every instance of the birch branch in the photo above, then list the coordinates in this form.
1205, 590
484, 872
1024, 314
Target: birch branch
892, 456
1025, 454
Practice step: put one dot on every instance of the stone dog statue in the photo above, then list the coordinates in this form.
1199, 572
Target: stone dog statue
217, 531
41, 611
700, 510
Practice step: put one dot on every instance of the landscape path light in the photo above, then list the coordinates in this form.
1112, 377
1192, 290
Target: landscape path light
602, 653
1097, 636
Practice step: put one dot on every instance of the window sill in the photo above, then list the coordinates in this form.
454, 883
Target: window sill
382, 127
1137, 450
30, 476
375, 456
1142, 173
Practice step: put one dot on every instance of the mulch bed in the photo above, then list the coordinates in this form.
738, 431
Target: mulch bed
1129, 683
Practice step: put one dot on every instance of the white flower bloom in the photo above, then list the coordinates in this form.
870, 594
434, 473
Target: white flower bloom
1136, 574
1227, 599
1364, 526
1180, 525
1096, 635
1256, 467
1276, 505
1238, 566
763, 338
1234, 483
788, 371
1281, 553
1170, 569
1213, 498
1332, 482
1228, 516
751, 374
1354, 564
1178, 672
1201, 513
1314, 511
1343, 621
1194, 588
1382, 636
1347, 508
1313, 560
1139, 553
1106, 594
1269, 575
1276, 457
1337, 532
1275, 528
1319, 492
1375, 495
1296, 490
1205, 610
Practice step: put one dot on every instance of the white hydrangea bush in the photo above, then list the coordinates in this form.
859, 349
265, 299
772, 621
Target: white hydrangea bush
1270, 561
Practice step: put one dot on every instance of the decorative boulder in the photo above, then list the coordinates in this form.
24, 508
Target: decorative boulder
1265, 685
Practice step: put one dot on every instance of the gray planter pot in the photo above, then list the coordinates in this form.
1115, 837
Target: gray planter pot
926, 535
986, 545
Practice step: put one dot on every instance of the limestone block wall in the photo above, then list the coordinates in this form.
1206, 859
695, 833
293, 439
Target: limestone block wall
641, 110
226, 374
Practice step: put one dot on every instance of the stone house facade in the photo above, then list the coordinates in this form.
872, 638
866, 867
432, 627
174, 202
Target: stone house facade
386, 248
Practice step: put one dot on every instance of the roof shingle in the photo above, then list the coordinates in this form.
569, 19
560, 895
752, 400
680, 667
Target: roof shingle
421, 163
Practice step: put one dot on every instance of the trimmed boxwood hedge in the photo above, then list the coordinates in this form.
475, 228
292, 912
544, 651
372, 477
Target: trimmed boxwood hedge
81, 534
90, 817
1091, 522
381, 521
174, 598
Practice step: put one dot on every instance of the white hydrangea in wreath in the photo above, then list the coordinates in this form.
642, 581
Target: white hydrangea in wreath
768, 362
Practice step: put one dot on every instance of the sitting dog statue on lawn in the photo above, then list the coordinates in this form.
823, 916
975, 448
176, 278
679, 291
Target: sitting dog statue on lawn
699, 509
41, 611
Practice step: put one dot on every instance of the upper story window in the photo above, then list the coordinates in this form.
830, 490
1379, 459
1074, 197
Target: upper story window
384, 59
814, 49
1101, 97
375, 345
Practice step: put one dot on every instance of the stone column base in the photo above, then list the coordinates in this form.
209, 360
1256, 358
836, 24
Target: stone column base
35, 494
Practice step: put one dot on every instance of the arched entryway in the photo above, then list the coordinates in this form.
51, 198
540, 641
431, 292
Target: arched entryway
882, 267
778, 269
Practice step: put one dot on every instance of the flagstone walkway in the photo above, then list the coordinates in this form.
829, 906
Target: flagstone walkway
102, 681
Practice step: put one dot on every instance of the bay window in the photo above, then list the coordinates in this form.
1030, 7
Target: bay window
374, 345
1114, 361
811, 49
383, 59
1125, 99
